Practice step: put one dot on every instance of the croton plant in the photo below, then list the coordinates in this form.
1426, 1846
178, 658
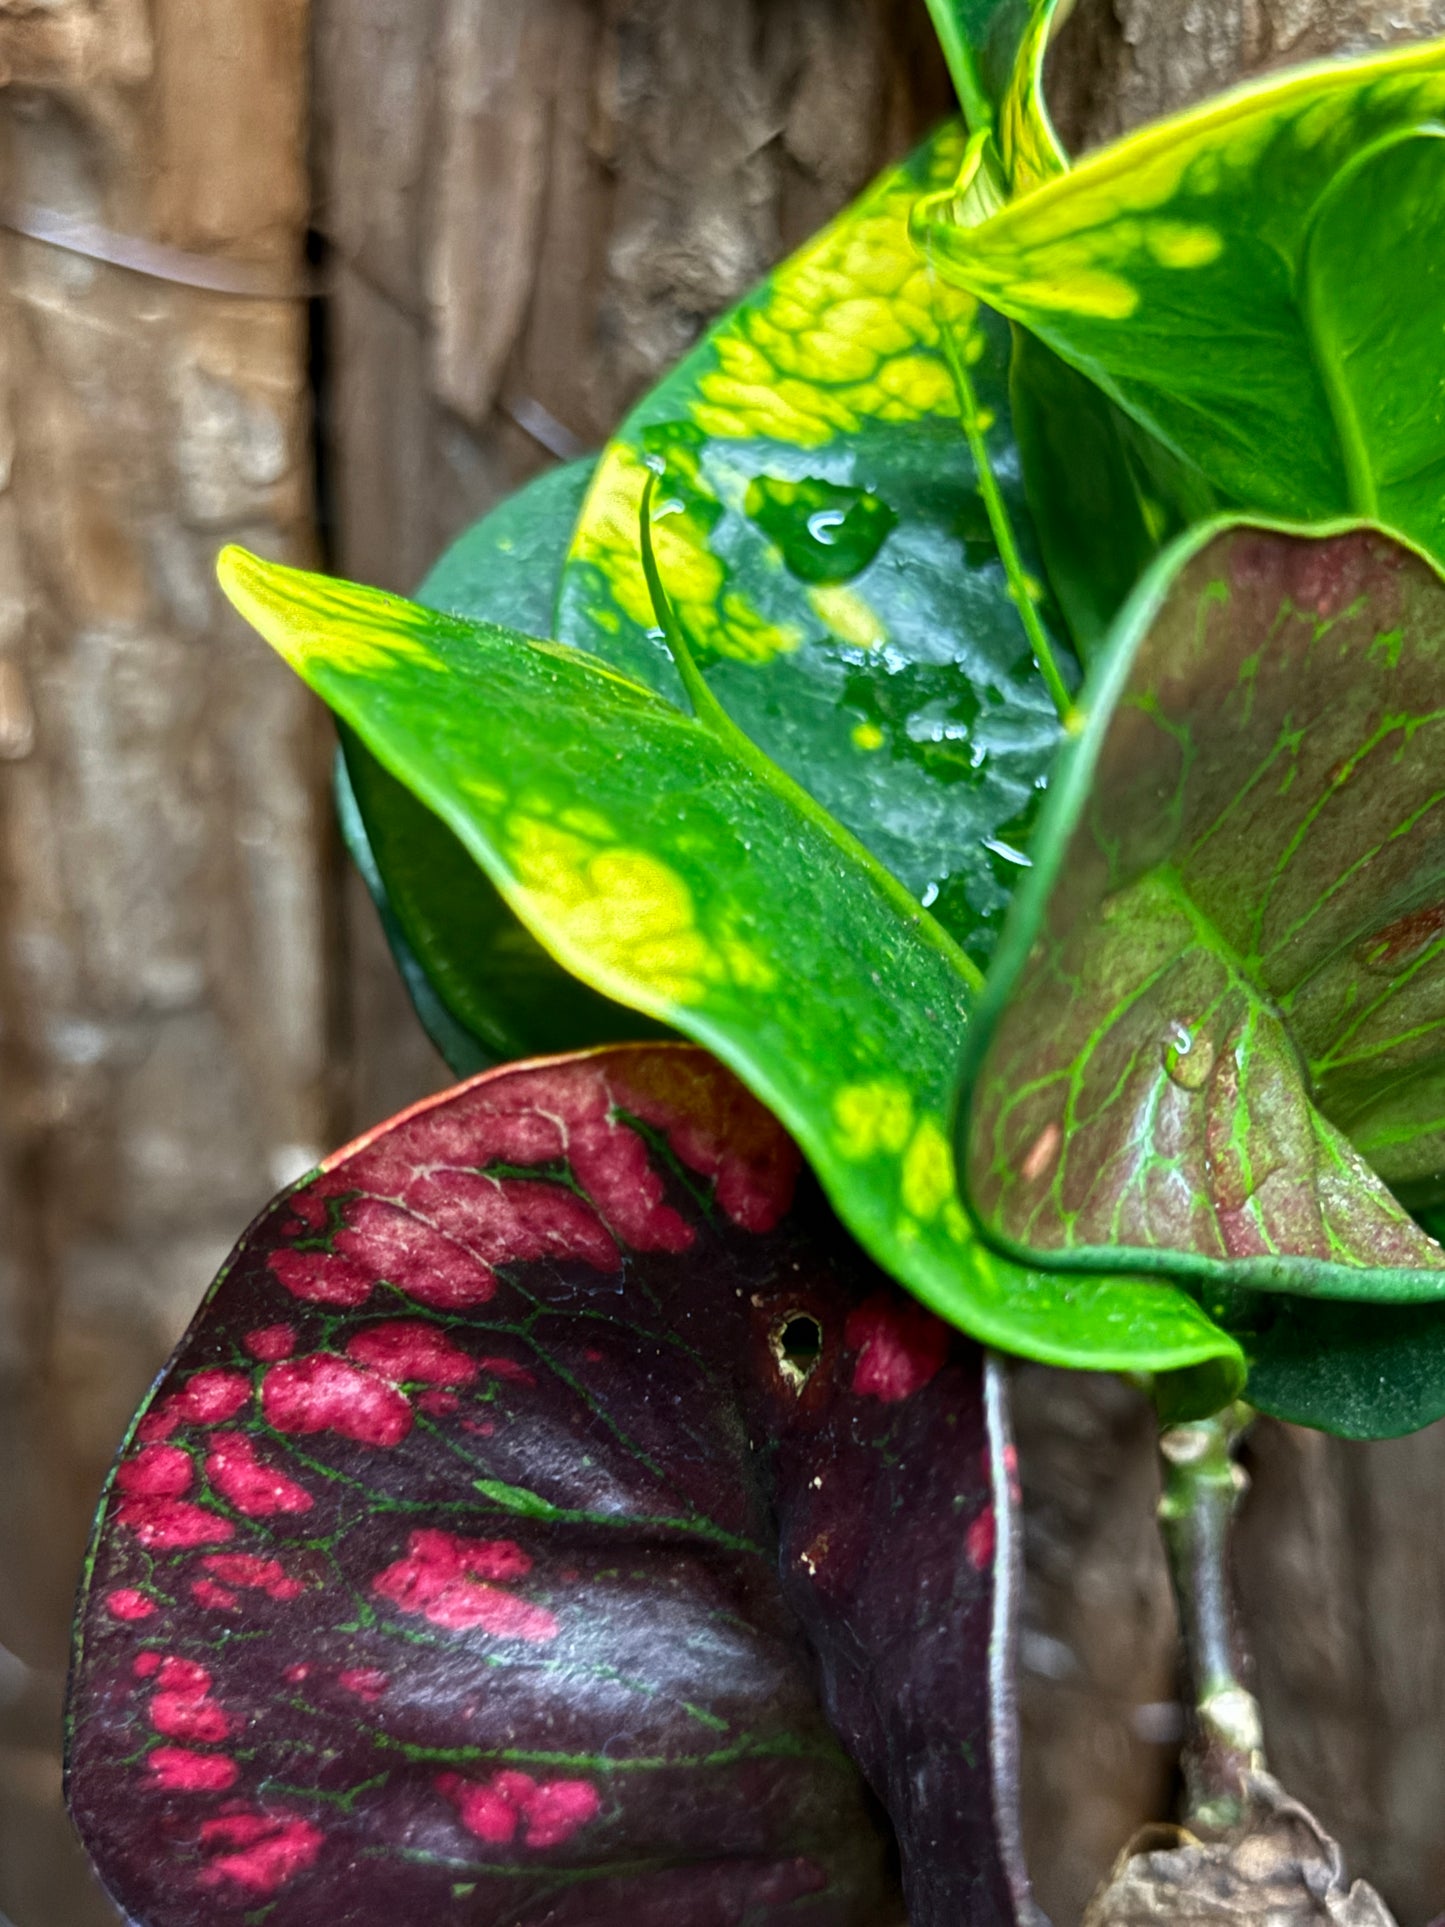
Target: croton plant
948, 812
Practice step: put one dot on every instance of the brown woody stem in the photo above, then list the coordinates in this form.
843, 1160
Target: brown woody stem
1202, 1489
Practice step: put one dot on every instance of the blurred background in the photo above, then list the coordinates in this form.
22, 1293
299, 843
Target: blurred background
329, 279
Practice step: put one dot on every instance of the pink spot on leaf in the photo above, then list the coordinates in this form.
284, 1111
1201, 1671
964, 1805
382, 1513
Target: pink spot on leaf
257, 1851
322, 1278
365, 1682
482, 1810
900, 1347
452, 1581
156, 1472
557, 1809
124, 1602
211, 1397
184, 1676
171, 1525
146, 1665
250, 1571
508, 1369
717, 1129
176, 1769
182, 1707
320, 1393
215, 1598
549, 1812
207, 1398
270, 1343
252, 1486
407, 1351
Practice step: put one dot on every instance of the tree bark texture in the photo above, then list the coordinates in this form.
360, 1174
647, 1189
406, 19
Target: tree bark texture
521, 212
163, 956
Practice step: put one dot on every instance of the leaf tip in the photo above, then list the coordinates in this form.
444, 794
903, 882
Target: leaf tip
250, 584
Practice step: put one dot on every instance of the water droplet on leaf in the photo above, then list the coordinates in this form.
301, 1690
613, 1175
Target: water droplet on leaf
826, 532
1188, 1060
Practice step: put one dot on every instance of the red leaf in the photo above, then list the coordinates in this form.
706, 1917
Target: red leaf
597, 1488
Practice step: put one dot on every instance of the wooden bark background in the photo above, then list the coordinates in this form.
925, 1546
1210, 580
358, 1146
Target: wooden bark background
519, 211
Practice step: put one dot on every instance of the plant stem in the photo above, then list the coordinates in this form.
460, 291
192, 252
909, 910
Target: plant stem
1202, 1489
1020, 587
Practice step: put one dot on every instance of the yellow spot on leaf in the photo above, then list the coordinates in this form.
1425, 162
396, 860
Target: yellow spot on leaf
619, 908
1175, 244
716, 622
927, 1171
873, 1117
484, 791
1086, 291
849, 617
867, 736
624, 909
846, 332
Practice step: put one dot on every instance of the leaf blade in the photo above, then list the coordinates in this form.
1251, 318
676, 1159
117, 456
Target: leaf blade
1159, 270
322, 1672
1228, 867
484, 989
882, 664
670, 876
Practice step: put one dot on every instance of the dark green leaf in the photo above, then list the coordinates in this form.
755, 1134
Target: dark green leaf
484, 988
482, 1561
506, 567
460, 1048
831, 558
1104, 496
1362, 1371
1228, 961
670, 866
1235, 279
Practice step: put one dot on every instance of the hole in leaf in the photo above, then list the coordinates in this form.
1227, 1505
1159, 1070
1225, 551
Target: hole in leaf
797, 1342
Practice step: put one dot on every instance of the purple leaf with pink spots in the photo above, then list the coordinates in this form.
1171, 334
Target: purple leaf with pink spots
552, 1517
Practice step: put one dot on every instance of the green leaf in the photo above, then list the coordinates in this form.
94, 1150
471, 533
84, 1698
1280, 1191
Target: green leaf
505, 568
1032, 152
995, 51
1104, 496
484, 988
682, 874
1360, 1371
831, 556
1234, 278
499, 994
1228, 962
458, 1046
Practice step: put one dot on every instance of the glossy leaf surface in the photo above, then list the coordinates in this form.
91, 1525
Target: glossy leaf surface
541, 1496
1228, 963
831, 559
995, 51
484, 988
1232, 278
506, 567
684, 876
